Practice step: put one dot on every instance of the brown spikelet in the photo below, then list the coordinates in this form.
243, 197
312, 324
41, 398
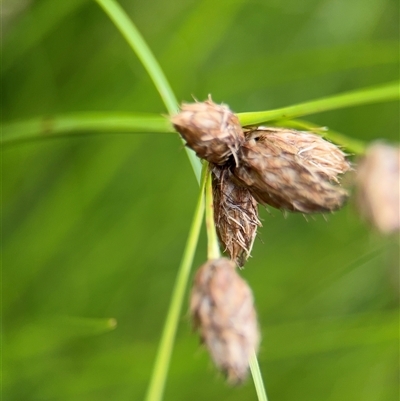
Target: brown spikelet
378, 187
211, 130
235, 215
222, 310
309, 149
292, 170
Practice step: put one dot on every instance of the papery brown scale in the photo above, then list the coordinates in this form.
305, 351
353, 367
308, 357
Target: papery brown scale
235, 215
213, 131
277, 175
222, 310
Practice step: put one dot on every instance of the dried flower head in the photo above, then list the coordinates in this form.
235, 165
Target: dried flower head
292, 170
235, 215
308, 148
211, 130
378, 187
222, 310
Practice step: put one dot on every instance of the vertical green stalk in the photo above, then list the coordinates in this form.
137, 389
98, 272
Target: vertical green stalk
257, 378
213, 251
156, 388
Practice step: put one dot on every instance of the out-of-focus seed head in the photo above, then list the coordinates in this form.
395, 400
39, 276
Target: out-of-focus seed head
210, 129
222, 310
378, 187
235, 215
292, 170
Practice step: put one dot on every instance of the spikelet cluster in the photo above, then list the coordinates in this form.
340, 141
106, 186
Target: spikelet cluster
282, 168
222, 310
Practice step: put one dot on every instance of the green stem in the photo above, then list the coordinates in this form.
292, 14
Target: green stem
213, 251
72, 124
377, 94
257, 378
78, 123
139, 46
161, 365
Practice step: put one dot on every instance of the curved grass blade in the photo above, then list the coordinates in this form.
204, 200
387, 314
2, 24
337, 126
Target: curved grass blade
257, 378
78, 123
382, 93
139, 46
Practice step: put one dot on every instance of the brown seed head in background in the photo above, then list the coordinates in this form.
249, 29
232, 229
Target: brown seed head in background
235, 215
211, 130
292, 170
377, 184
222, 310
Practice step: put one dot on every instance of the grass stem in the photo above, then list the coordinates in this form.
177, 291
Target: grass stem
213, 251
135, 40
82, 123
257, 378
161, 365
381, 93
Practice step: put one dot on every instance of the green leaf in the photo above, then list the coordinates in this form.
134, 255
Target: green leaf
155, 390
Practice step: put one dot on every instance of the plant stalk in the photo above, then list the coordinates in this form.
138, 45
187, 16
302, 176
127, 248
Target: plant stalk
161, 365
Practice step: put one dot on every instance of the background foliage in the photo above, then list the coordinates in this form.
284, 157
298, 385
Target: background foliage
94, 225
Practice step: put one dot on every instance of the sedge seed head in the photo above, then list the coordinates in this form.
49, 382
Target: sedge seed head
309, 149
235, 215
292, 170
210, 129
222, 310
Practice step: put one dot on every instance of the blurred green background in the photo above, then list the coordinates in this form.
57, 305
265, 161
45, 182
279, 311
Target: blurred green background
94, 226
